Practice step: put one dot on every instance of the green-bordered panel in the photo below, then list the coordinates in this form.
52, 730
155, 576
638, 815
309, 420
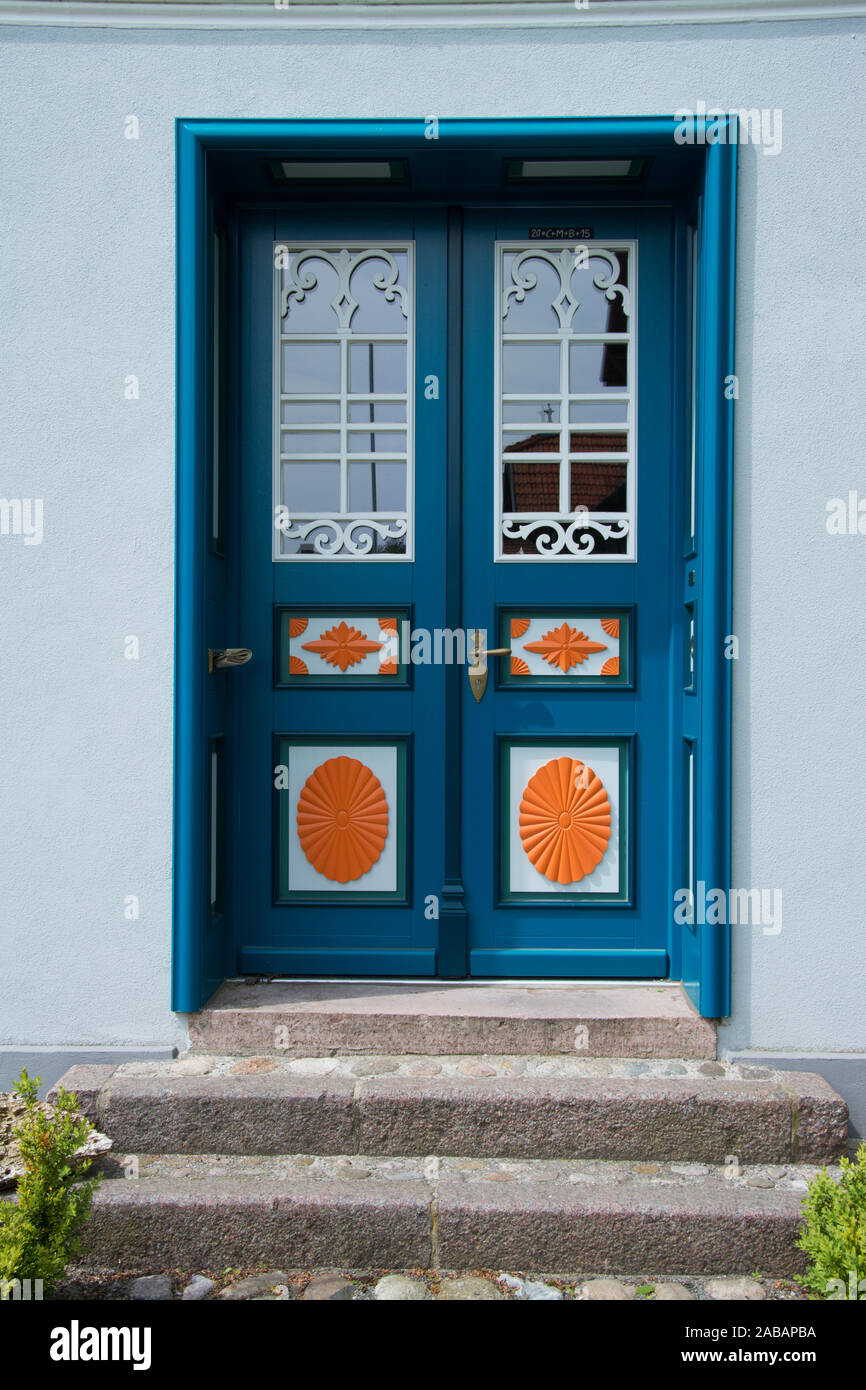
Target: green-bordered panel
550, 646
347, 646
341, 821
565, 812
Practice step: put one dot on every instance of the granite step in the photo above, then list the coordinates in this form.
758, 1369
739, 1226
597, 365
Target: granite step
383, 1213
524, 1107
320, 1018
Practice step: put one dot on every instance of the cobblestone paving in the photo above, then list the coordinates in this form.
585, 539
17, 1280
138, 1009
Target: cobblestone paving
409, 1065
418, 1285
434, 1168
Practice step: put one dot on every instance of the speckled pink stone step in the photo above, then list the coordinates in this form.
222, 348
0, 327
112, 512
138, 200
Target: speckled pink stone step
376, 1106
311, 1018
447, 1215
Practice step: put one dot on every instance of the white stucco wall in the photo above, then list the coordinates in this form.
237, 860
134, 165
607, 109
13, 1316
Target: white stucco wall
87, 267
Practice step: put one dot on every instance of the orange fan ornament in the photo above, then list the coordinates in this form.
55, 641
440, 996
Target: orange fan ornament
342, 819
342, 645
565, 820
565, 647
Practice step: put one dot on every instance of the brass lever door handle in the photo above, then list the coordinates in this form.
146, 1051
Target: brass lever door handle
478, 668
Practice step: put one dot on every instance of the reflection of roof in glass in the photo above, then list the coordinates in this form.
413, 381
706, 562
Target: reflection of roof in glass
534, 487
530, 488
582, 442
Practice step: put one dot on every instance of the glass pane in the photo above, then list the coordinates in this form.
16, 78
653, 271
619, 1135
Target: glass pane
541, 538
313, 313
310, 412
377, 367
311, 368
598, 412
530, 367
380, 412
597, 486
311, 487
343, 346
530, 487
377, 487
375, 313
379, 545
598, 367
382, 442
538, 442
310, 442
521, 412
612, 442
595, 312
559, 302
293, 545
535, 312
543, 541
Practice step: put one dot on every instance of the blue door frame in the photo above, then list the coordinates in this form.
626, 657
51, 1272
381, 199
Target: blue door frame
203, 951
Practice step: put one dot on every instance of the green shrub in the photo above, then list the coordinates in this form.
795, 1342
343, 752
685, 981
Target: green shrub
834, 1234
40, 1234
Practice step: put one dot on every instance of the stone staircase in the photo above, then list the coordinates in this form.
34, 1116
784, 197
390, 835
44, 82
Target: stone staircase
456, 1127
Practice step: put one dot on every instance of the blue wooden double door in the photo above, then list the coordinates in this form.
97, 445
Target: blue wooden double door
456, 545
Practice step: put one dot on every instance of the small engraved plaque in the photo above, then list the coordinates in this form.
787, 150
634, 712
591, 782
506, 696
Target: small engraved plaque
561, 233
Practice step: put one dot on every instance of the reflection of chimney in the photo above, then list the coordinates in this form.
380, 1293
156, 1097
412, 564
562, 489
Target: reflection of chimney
508, 503
372, 438
612, 367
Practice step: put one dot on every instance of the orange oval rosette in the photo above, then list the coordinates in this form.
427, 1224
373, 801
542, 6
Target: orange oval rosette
565, 820
342, 819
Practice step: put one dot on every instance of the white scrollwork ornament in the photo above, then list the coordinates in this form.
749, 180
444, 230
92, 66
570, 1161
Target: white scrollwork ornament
571, 535
566, 303
344, 537
609, 283
301, 277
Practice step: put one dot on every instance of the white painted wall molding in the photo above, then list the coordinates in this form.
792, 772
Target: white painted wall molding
413, 14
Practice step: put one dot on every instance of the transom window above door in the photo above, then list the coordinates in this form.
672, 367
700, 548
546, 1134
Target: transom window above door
344, 394
565, 429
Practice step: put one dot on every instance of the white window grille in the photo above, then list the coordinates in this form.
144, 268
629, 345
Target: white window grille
566, 463
344, 397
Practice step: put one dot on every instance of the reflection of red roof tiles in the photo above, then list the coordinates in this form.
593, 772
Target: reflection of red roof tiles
534, 487
584, 442
597, 443
596, 485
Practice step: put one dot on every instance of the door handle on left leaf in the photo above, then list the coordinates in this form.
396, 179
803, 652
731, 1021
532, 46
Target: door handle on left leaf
224, 659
